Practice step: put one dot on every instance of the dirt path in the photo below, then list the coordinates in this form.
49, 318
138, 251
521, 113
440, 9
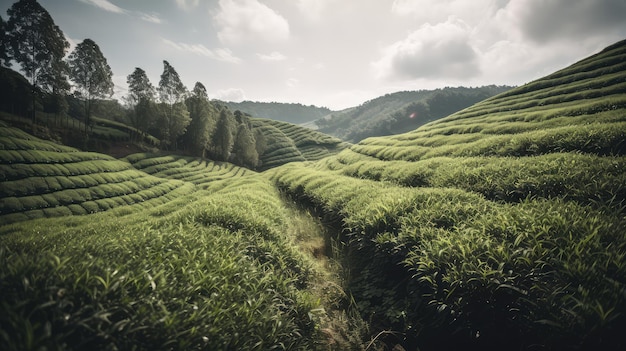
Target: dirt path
340, 324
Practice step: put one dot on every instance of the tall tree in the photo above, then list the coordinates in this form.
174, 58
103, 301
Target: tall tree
222, 138
171, 88
91, 73
5, 54
174, 115
245, 147
203, 119
140, 99
37, 44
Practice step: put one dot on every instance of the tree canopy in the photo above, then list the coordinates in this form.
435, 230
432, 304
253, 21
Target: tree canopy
38, 45
171, 88
91, 74
203, 119
244, 147
140, 99
5, 55
174, 117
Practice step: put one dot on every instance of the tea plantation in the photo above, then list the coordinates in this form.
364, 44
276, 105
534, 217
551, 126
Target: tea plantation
502, 226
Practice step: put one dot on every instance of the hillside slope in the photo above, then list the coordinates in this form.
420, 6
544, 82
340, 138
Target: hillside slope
285, 142
402, 111
501, 226
286, 112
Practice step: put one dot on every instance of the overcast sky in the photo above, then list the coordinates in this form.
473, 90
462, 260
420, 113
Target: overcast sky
339, 53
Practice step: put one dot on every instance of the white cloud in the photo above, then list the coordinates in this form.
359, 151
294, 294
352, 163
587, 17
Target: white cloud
219, 54
105, 5
152, 18
313, 8
243, 20
433, 51
231, 94
274, 56
435, 11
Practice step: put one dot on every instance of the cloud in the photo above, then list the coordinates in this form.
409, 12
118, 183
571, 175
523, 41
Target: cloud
439, 51
242, 20
106, 5
313, 8
231, 94
187, 4
547, 21
110, 7
436, 11
152, 18
274, 56
219, 54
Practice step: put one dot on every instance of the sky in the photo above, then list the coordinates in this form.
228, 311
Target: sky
338, 53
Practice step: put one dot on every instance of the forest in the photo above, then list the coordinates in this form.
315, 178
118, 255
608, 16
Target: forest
76, 87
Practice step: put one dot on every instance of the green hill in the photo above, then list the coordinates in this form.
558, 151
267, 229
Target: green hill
286, 112
189, 169
43, 179
285, 142
401, 112
501, 226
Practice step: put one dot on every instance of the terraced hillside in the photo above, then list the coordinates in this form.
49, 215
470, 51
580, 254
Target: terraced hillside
286, 142
149, 252
189, 169
43, 179
502, 226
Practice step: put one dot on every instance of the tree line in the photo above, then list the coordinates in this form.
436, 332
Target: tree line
180, 119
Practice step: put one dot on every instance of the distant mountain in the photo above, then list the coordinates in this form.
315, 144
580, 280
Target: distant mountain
402, 111
286, 112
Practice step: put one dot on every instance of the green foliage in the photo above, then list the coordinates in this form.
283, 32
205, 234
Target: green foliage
284, 142
37, 44
402, 111
223, 138
140, 98
89, 70
287, 112
499, 226
188, 169
204, 275
244, 147
203, 116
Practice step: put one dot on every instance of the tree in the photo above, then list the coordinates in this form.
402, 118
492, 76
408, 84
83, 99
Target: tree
203, 120
171, 88
91, 73
140, 99
245, 147
38, 45
5, 55
222, 138
174, 115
